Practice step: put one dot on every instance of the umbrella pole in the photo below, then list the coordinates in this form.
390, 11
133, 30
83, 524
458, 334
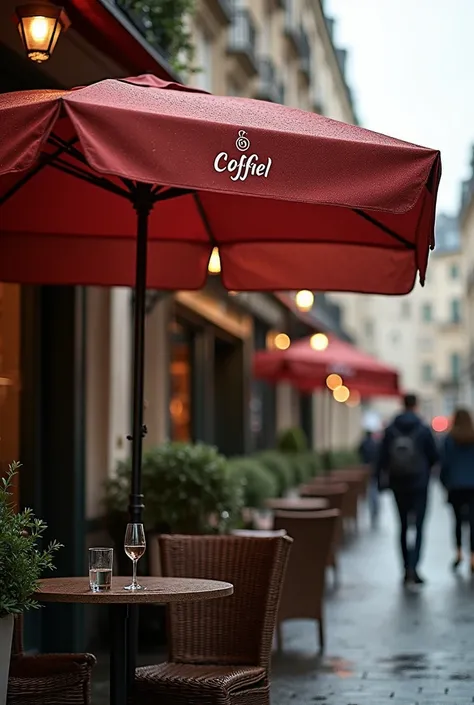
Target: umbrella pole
143, 205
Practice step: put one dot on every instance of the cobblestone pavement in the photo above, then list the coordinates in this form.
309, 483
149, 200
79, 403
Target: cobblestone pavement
385, 644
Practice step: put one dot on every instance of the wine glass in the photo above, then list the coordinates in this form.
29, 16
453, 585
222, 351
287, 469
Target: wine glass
135, 546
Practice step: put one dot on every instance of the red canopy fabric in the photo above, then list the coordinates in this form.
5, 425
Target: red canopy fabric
308, 369
293, 199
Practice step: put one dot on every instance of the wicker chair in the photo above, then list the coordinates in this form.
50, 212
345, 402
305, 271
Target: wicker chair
337, 496
219, 651
303, 589
48, 679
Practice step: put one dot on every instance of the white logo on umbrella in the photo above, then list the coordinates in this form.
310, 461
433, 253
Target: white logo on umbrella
242, 143
246, 165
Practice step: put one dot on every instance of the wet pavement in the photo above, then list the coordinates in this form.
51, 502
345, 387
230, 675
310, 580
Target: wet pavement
385, 644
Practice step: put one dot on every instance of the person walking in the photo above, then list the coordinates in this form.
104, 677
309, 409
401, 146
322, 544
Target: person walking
368, 451
407, 455
457, 476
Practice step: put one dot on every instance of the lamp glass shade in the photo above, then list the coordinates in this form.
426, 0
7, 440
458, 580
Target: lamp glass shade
40, 25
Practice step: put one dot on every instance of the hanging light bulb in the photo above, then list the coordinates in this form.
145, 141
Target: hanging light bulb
354, 398
214, 266
333, 381
282, 341
40, 25
341, 394
304, 300
319, 341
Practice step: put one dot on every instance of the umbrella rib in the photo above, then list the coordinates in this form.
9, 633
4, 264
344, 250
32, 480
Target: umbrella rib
44, 161
205, 219
90, 178
409, 245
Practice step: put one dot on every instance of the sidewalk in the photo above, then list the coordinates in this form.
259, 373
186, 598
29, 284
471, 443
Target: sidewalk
385, 644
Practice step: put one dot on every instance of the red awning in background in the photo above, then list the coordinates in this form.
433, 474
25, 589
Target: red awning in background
308, 369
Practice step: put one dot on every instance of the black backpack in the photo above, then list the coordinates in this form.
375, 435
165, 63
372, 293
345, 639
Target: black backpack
405, 460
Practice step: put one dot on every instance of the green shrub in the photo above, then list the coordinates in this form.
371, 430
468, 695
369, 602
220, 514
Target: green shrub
292, 440
22, 561
344, 459
185, 486
257, 481
314, 465
281, 467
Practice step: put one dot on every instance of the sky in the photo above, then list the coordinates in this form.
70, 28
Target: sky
411, 69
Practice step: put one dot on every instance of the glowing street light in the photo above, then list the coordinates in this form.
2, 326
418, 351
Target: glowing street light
319, 341
354, 399
341, 394
282, 341
304, 300
214, 266
333, 382
40, 25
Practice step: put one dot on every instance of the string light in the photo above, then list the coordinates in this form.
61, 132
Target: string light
333, 381
319, 341
304, 300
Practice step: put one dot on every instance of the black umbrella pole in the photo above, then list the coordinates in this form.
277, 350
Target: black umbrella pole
142, 207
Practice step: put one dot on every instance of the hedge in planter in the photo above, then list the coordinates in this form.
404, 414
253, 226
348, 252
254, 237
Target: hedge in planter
187, 488
292, 440
22, 564
256, 480
280, 467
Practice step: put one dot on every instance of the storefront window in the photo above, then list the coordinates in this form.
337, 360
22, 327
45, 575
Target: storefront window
181, 382
9, 375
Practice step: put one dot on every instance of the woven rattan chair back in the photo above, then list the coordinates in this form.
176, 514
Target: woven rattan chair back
235, 630
313, 534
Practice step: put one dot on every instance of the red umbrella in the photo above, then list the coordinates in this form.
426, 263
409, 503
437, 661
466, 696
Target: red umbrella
292, 199
308, 369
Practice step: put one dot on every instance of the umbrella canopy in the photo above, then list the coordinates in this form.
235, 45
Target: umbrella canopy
292, 199
309, 369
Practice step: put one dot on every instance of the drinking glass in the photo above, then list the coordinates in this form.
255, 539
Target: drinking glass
100, 569
135, 546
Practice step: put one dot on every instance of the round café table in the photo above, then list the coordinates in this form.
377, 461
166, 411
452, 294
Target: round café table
298, 504
158, 591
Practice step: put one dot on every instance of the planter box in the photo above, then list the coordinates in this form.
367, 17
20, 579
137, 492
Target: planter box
6, 635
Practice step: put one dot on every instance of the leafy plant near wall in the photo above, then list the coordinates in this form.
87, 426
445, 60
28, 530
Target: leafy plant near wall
166, 24
22, 561
188, 488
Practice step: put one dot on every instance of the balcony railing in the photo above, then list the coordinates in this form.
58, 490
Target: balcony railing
243, 37
270, 87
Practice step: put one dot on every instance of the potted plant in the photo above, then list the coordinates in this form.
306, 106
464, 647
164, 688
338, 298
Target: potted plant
188, 488
22, 563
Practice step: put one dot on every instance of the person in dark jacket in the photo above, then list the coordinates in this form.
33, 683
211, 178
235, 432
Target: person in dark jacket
407, 455
457, 475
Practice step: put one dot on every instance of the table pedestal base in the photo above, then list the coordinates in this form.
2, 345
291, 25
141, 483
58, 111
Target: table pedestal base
119, 671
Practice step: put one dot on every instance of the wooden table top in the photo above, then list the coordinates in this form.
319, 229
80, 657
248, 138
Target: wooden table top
304, 504
158, 590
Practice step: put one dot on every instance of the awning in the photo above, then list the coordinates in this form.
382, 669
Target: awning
308, 369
